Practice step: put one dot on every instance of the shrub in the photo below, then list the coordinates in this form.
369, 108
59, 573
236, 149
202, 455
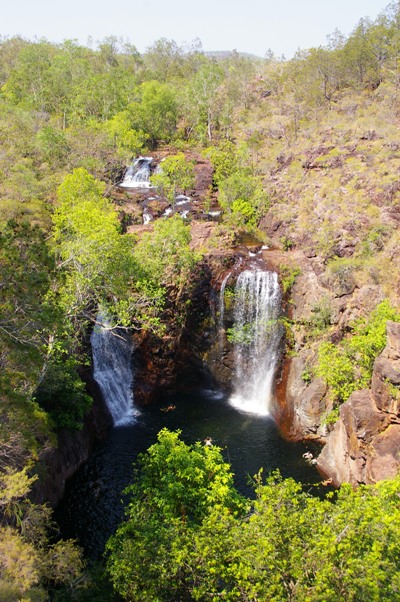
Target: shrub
348, 367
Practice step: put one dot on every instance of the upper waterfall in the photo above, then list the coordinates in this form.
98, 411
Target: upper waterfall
112, 353
138, 174
256, 334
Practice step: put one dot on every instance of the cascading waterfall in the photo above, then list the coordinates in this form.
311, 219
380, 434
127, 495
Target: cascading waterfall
138, 174
147, 216
221, 310
112, 353
257, 334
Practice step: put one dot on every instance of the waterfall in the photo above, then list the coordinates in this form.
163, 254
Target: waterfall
147, 216
112, 353
256, 335
221, 310
138, 174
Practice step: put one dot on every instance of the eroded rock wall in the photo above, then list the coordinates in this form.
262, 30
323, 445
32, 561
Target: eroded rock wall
317, 301
364, 445
72, 449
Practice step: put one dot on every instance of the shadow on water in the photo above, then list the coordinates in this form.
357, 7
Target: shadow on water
92, 506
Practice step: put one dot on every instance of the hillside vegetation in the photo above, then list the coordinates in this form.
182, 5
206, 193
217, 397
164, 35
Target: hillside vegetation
305, 156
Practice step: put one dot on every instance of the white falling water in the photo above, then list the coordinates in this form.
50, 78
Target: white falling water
221, 310
138, 174
112, 371
257, 335
147, 216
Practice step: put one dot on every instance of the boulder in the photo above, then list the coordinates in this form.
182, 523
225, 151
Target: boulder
393, 340
362, 302
386, 376
386, 373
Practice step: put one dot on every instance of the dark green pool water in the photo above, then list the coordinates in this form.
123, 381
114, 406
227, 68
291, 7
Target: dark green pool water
92, 506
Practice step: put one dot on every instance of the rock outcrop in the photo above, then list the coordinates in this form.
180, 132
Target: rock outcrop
318, 301
307, 401
73, 447
364, 446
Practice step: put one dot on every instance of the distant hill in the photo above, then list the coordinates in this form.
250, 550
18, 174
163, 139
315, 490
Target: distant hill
223, 54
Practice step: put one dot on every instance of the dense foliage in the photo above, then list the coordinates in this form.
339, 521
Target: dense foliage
189, 536
305, 151
348, 367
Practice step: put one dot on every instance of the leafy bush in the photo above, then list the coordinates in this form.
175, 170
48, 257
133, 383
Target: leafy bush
348, 367
176, 174
177, 488
224, 160
288, 276
321, 316
62, 394
243, 199
189, 536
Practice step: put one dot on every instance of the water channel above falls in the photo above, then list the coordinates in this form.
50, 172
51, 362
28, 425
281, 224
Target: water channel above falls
91, 508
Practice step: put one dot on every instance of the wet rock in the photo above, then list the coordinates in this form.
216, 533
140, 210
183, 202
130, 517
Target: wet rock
157, 206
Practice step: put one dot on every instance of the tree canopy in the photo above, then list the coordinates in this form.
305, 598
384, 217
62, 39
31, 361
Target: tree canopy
189, 536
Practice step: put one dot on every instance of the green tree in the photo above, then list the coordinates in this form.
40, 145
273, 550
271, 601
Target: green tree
157, 112
189, 536
29, 562
224, 159
176, 175
62, 393
177, 488
95, 259
165, 254
29, 318
28, 82
202, 106
243, 200
127, 140
164, 60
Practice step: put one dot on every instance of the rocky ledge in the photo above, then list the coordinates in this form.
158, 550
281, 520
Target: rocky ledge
364, 445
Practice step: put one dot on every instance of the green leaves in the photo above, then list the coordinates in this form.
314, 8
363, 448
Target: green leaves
95, 259
243, 199
157, 112
188, 535
348, 367
177, 174
177, 488
165, 255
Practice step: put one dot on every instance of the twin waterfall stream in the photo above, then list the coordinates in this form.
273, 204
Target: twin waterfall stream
257, 335
239, 423
112, 370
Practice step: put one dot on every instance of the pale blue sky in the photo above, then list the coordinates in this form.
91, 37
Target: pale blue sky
282, 25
